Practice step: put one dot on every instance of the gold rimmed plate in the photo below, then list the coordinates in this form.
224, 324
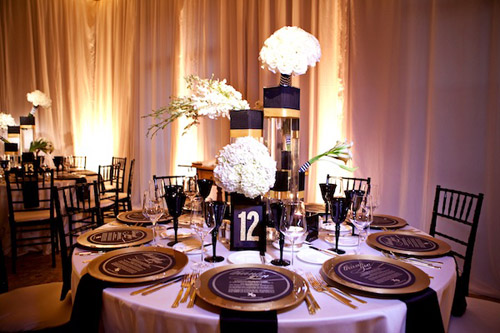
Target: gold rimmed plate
387, 221
137, 265
251, 287
136, 216
115, 238
374, 274
408, 243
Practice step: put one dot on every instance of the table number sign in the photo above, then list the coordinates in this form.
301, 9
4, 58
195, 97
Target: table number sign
248, 230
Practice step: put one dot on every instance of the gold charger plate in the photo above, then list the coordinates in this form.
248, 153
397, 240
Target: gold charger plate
408, 243
389, 277
115, 238
136, 216
387, 221
253, 287
137, 265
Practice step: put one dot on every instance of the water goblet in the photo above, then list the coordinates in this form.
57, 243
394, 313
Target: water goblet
152, 208
374, 192
204, 187
362, 217
339, 208
175, 203
277, 214
190, 187
294, 225
202, 223
216, 210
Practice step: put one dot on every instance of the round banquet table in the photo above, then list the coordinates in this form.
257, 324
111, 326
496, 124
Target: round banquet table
122, 312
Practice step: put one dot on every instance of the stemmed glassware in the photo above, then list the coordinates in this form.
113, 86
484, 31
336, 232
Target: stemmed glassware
153, 207
327, 191
294, 224
202, 222
374, 192
58, 161
204, 187
362, 216
175, 198
190, 187
216, 209
277, 214
340, 208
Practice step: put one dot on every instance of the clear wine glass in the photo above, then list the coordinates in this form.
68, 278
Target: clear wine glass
153, 208
202, 222
294, 225
374, 192
190, 187
361, 217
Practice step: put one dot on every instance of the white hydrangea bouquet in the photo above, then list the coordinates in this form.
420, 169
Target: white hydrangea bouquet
209, 97
6, 120
340, 154
290, 51
245, 167
38, 98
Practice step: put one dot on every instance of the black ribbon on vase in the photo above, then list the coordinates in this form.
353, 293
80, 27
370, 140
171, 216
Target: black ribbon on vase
423, 313
87, 307
251, 322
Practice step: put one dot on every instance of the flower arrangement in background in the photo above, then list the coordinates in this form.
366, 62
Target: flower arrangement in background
290, 51
38, 98
6, 120
245, 167
41, 144
340, 154
209, 97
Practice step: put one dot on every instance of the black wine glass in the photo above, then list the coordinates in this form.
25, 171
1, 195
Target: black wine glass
175, 203
58, 161
277, 214
204, 187
339, 210
216, 210
327, 191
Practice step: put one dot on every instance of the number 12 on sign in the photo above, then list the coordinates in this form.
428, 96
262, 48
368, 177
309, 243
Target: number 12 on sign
247, 227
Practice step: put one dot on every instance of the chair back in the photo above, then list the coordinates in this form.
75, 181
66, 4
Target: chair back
107, 178
79, 203
169, 180
348, 183
455, 216
130, 178
78, 162
29, 188
119, 165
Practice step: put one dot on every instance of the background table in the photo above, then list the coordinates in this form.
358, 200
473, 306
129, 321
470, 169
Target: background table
152, 313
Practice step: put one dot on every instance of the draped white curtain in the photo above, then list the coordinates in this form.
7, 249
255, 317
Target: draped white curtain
421, 90
424, 110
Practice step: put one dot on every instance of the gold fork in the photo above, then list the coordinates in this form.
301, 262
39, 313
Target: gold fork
343, 292
184, 284
319, 288
193, 293
312, 305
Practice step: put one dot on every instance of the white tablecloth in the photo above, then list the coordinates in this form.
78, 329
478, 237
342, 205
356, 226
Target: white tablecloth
152, 313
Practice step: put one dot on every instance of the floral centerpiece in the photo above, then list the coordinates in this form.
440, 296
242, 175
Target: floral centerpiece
245, 167
208, 97
340, 154
6, 120
41, 144
290, 51
38, 98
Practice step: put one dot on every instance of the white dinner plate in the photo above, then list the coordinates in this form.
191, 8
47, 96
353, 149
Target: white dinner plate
182, 233
191, 245
344, 241
247, 257
344, 228
288, 246
312, 256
